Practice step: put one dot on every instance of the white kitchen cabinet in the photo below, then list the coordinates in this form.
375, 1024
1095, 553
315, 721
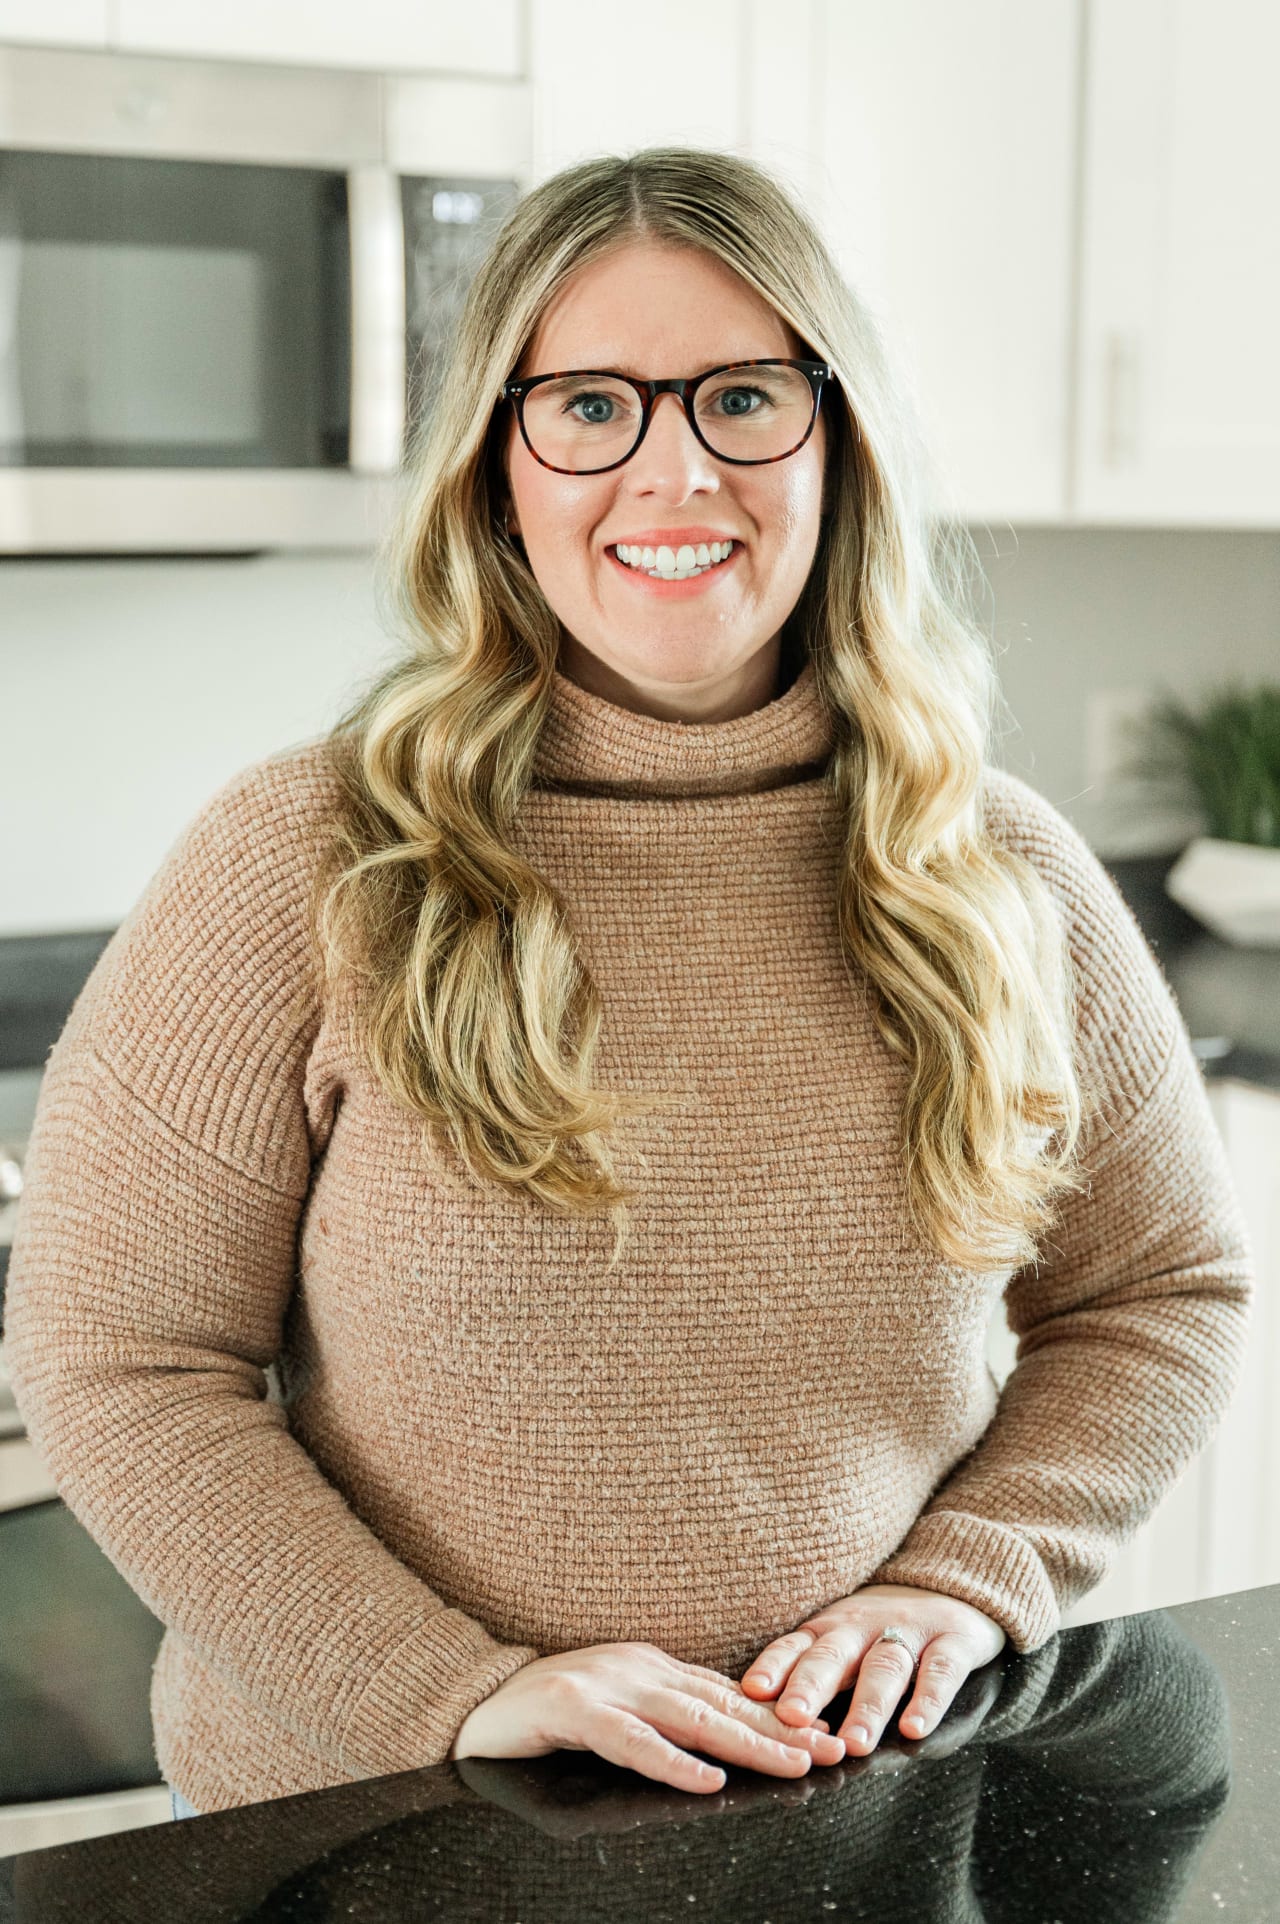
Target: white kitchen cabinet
457, 126
1219, 1529
392, 36
609, 79
1179, 417
782, 82
944, 144
54, 23
943, 184
1240, 1472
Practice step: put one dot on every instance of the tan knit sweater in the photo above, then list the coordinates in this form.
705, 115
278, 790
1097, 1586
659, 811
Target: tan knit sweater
491, 1448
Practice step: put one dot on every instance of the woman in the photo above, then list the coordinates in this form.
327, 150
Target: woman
665, 880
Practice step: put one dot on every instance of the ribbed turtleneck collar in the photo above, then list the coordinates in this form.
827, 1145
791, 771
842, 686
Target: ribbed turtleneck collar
590, 745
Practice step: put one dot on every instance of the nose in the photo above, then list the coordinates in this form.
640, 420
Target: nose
671, 461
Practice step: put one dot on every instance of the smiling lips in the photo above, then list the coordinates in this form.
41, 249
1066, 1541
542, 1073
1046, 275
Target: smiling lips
684, 563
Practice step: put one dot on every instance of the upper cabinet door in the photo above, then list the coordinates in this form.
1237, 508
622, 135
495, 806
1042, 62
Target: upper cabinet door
945, 180
1179, 419
55, 23
393, 36
608, 79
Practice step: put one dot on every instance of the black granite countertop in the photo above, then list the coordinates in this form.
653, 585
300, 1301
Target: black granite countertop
1126, 1772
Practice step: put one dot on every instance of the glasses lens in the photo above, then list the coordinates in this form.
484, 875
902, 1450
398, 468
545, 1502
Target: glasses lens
582, 421
755, 413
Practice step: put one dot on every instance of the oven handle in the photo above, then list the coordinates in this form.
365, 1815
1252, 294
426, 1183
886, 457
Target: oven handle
375, 218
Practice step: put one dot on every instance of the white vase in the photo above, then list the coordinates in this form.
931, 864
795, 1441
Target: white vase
1232, 887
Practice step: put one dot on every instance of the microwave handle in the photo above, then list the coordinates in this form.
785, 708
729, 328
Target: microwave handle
375, 219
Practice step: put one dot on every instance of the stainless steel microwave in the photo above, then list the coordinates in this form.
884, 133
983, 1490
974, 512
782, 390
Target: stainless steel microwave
218, 302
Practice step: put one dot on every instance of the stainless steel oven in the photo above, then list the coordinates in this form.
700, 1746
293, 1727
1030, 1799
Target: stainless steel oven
217, 301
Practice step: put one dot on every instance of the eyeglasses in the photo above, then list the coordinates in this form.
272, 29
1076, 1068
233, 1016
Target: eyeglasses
588, 420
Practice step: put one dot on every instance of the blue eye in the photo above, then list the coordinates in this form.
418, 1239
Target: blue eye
735, 394
597, 401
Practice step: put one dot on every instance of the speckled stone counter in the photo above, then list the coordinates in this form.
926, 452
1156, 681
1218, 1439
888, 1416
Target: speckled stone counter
1126, 1772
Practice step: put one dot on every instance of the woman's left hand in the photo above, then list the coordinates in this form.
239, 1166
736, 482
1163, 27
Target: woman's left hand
823, 1655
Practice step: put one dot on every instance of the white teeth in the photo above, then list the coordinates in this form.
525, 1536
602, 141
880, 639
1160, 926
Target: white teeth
672, 564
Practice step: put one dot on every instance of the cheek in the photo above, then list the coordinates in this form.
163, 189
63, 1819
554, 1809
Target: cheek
528, 484
797, 513
806, 484
554, 514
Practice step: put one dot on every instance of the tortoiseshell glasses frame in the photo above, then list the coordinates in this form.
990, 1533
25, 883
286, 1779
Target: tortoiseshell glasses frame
817, 373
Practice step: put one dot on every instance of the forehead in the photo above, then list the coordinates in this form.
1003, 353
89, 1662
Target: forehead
650, 308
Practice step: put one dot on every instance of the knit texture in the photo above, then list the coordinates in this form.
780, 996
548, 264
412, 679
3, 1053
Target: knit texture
489, 1446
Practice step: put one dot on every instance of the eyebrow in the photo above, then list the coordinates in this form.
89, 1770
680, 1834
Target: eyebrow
606, 366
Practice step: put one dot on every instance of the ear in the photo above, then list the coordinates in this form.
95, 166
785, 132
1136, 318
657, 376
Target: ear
505, 514
504, 507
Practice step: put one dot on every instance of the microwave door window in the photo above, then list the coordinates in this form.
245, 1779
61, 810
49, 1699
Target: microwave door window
449, 224
172, 314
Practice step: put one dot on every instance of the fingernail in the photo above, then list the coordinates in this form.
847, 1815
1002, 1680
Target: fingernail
825, 1745
857, 1735
799, 1703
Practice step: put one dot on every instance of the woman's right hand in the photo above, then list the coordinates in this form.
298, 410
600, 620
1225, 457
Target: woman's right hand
634, 1705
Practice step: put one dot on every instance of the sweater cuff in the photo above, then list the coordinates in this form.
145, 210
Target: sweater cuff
409, 1713
985, 1564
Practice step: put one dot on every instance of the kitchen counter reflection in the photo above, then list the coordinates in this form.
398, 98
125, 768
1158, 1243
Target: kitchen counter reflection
1126, 1771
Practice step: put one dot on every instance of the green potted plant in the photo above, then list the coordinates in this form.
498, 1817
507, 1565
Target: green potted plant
1228, 757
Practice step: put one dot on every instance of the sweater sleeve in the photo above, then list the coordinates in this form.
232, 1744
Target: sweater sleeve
152, 1264
1131, 1325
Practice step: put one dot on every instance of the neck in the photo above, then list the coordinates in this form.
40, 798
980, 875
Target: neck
759, 681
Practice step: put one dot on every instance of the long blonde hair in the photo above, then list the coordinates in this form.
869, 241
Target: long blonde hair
477, 1014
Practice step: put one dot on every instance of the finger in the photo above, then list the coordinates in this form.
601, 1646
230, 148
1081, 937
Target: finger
824, 1669
773, 1666
973, 1703
622, 1738
944, 1665
715, 1676
718, 1677
884, 1672
823, 1747
705, 1726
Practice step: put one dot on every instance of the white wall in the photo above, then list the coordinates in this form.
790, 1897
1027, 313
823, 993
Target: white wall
1076, 613
131, 689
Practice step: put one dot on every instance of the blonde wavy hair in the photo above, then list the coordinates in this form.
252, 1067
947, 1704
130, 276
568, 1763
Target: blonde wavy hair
477, 1013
